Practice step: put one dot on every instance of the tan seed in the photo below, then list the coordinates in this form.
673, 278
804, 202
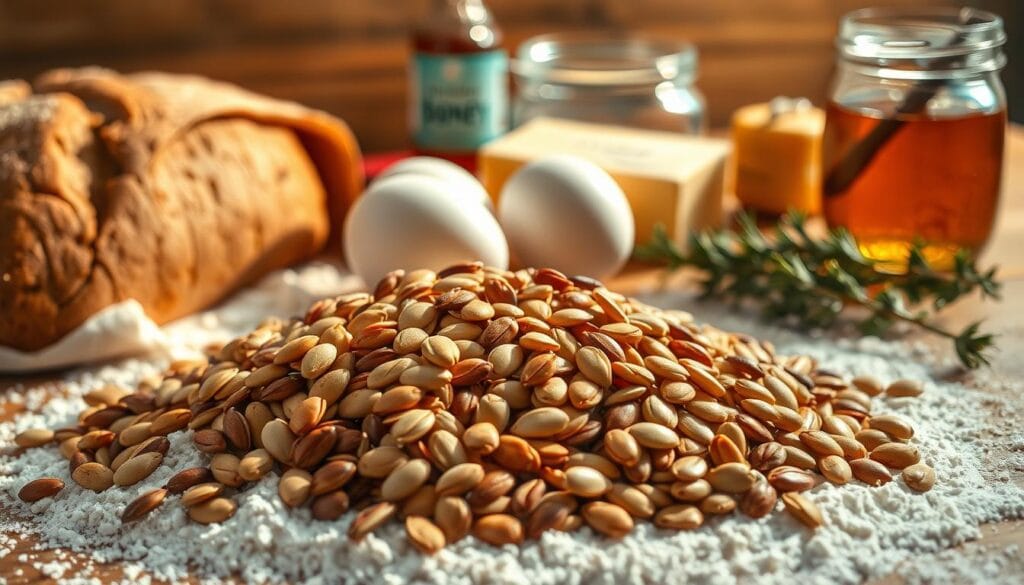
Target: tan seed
498, 529
255, 465
901, 388
295, 349
540, 423
440, 351
294, 487
224, 467
426, 536
608, 519
622, 447
453, 517
212, 511
893, 425
459, 479
586, 482
278, 438
93, 476
870, 471
919, 477
405, 480
137, 468
654, 436
318, 360
679, 517
835, 469
732, 477
896, 455
198, 494
412, 425
33, 438
803, 509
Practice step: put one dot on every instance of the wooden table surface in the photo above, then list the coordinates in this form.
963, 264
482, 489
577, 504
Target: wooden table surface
1006, 318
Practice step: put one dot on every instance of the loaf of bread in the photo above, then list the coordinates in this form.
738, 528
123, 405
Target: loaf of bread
172, 190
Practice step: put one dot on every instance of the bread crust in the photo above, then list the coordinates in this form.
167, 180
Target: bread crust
171, 190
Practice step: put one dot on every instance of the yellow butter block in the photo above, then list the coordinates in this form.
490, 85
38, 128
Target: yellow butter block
668, 178
777, 160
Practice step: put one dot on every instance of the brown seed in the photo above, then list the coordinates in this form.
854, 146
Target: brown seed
893, 425
312, 448
38, 489
803, 509
33, 438
210, 441
494, 485
93, 476
759, 501
547, 516
187, 478
919, 477
870, 472
622, 447
424, 534
143, 505
515, 454
236, 430
901, 388
679, 517
369, 519
212, 511
498, 529
330, 506
608, 519
654, 436
896, 455
332, 476
137, 468
787, 478
453, 517
722, 449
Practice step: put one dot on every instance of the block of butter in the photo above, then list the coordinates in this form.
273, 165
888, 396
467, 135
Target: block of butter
668, 178
778, 156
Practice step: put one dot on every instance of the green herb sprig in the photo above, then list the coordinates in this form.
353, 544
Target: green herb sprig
809, 280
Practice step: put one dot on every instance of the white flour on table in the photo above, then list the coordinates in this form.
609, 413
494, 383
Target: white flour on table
868, 531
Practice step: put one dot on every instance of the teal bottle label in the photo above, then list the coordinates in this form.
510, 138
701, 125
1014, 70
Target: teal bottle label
459, 102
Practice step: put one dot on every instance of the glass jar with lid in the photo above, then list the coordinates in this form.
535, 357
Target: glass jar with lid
914, 131
628, 81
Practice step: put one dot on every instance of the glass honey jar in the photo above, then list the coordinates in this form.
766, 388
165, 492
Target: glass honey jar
914, 131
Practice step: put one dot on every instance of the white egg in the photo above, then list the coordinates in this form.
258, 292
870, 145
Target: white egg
462, 183
566, 213
412, 222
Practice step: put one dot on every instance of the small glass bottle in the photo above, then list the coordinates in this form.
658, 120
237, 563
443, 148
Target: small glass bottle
459, 81
913, 144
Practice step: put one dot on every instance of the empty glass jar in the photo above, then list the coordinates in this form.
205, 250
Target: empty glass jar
627, 81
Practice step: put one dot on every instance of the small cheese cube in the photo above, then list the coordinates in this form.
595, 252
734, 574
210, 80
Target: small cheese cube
777, 159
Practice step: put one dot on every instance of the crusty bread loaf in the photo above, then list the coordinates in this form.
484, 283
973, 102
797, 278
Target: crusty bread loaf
172, 190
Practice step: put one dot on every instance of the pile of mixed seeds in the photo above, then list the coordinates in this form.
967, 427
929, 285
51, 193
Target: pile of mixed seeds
493, 403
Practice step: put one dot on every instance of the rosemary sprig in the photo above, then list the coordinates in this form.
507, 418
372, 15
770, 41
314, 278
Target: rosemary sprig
809, 280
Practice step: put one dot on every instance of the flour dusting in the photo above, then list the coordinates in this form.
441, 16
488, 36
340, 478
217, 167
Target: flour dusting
868, 531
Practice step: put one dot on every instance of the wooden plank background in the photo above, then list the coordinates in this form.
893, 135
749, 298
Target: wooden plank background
349, 56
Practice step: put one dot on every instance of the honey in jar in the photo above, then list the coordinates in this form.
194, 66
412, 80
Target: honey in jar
913, 143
